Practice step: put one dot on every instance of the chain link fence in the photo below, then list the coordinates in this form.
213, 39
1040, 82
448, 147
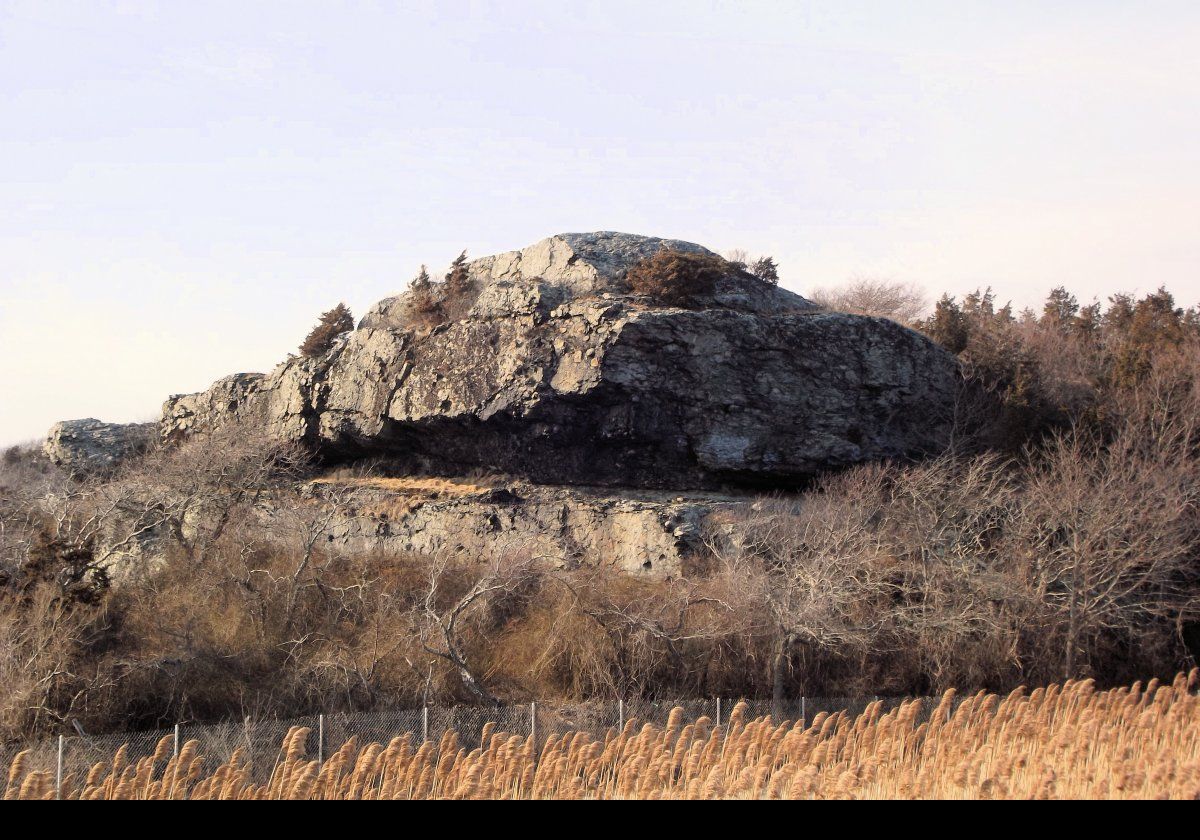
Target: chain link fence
69, 758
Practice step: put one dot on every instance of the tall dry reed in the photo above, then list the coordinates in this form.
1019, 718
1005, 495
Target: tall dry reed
1068, 741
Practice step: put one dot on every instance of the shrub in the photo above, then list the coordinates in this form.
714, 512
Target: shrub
897, 301
423, 305
458, 290
766, 270
739, 258
677, 278
332, 324
429, 304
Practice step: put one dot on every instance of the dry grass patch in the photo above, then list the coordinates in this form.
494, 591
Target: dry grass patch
409, 492
426, 486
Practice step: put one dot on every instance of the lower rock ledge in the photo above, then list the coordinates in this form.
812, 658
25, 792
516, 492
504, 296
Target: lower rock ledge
637, 531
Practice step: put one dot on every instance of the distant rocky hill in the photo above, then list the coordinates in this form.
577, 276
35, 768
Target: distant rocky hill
557, 372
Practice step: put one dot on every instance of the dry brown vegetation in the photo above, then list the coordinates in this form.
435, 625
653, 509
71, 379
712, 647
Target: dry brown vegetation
903, 302
1059, 538
677, 278
429, 304
1062, 742
764, 268
420, 485
331, 324
1090, 367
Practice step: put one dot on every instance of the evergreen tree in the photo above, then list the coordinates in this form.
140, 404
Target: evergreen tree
1061, 310
458, 281
1089, 320
423, 304
421, 282
948, 325
332, 324
765, 269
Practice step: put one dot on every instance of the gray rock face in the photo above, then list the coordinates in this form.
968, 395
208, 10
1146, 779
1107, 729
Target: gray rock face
559, 375
580, 266
638, 532
89, 445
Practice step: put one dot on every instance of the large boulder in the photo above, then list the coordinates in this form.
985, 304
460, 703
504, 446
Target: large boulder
558, 373
91, 446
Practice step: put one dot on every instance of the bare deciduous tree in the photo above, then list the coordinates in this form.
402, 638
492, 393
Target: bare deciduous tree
814, 576
739, 258
649, 626
903, 302
1109, 533
445, 607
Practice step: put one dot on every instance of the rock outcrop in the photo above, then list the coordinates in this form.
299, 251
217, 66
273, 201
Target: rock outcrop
638, 532
557, 373
90, 446
585, 266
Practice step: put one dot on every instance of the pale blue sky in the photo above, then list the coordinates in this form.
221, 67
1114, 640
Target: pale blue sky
183, 187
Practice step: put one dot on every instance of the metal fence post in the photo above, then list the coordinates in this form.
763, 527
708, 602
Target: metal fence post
718, 711
621, 713
320, 739
424, 724
803, 711
175, 743
58, 770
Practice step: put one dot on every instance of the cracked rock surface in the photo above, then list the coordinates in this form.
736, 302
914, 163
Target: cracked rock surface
639, 532
559, 375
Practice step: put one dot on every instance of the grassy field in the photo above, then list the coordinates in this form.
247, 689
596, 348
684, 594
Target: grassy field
1068, 741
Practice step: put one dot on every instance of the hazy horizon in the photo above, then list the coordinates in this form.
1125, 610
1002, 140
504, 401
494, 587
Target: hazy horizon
186, 188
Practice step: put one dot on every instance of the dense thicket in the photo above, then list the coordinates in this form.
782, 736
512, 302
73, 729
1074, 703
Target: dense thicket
1060, 537
1070, 366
